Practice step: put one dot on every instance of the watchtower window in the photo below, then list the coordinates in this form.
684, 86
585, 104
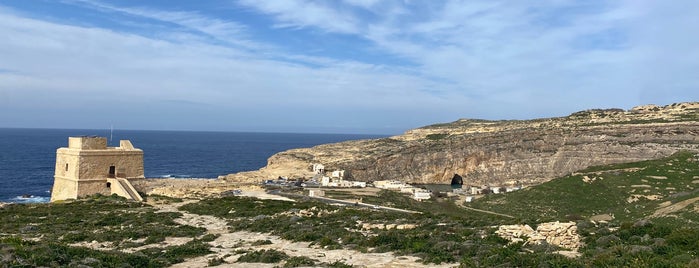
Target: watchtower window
112, 171
109, 185
66, 166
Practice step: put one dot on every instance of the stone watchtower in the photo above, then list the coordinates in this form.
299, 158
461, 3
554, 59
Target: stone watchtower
87, 166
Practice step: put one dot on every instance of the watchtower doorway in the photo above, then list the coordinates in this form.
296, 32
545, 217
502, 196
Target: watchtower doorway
112, 171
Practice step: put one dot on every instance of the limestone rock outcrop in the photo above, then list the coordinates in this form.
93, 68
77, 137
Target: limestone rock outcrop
560, 234
501, 152
191, 188
384, 226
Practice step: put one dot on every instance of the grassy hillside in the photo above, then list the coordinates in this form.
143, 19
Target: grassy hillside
626, 192
651, 210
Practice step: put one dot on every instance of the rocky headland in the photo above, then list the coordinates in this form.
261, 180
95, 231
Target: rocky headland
500, 152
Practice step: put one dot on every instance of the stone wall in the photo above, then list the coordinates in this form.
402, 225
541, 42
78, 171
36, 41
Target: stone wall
128, 164
83, 167
87, 143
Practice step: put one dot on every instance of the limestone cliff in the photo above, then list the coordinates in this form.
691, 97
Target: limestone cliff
501, 152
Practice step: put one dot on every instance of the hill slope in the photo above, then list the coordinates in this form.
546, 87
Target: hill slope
662, 188
499, 152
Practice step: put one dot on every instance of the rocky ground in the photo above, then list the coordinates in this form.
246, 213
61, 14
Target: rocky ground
228, 242
188, 188
667, 208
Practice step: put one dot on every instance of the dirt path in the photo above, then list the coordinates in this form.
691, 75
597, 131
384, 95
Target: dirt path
213, 225
227, 243
673, 208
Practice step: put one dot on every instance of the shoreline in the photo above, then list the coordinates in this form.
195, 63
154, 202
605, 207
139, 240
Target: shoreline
20, 199
145, 185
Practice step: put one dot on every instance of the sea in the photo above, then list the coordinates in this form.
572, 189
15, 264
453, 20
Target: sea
27, 156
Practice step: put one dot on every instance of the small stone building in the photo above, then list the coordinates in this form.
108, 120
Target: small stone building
87, 166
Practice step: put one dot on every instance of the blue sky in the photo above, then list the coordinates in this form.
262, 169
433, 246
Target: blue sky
341, 66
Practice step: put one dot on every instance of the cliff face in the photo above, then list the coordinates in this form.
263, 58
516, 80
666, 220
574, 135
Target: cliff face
502, 152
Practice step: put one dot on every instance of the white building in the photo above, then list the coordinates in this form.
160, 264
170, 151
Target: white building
339, 182
475, 191
338, 174
390, 184
318, 168
361, 184
512, 189
458, 191
316, 193
421, 194
325, 181
407, 189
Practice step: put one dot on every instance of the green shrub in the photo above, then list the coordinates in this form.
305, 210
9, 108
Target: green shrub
339, 264
162, 199
435, 137
99, 218
684, 238
261, 242
209, 237
216, 261
298, 261
21, 253
264, 256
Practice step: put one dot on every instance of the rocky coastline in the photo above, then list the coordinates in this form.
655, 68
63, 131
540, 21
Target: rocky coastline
499, 152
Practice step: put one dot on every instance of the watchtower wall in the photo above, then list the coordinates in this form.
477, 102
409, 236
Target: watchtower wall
84, 166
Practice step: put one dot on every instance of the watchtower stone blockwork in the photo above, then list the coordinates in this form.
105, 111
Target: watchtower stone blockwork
87, 166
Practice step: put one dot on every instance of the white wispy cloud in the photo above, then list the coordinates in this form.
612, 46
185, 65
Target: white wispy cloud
229, 31
304, 13
366, 4
518, 52
76, 69
486, 59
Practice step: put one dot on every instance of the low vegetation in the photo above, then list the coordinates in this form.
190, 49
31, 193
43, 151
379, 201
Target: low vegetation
264, 256
443, 232
300, 261
161, 199
100, 218
276, 256
436, 137
47, 234
649, 211
626, 192
629, 215
645, 243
